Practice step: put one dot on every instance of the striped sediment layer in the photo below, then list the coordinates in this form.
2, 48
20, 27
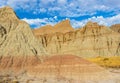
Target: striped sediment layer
116, 28
18, 46
69, 67
89, 41
63, 27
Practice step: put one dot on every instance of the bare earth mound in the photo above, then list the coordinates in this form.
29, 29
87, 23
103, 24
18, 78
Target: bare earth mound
69, 67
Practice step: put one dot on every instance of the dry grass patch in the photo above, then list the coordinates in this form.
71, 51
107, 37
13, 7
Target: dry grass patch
110, 62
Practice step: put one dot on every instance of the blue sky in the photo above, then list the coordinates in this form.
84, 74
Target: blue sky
41, 12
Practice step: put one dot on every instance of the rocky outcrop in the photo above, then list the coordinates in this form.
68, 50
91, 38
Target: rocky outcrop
48, 29
91, 40
18, 46
116, 28
61, 27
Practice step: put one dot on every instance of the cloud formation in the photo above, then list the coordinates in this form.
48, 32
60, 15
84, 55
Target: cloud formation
57, 10
41, 22
75, 23
64, 8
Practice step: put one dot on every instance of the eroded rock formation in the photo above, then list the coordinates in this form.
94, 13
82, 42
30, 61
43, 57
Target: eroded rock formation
91, 40
116, 28
62, 27
19, 49
18, 46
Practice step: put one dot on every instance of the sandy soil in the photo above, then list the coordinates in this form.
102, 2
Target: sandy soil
24, 78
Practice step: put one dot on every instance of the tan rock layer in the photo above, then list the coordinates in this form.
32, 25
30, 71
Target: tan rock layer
116, 28
91, 40
62, 27
18, 46
17, 37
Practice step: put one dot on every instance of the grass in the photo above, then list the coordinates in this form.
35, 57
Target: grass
109, 62
6, 79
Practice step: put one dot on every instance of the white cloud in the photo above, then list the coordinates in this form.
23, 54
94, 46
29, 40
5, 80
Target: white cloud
46, 2
20, 4
75, 23
43, 10
66, 8
41, 22
62, 2
2, 2
54, 9
99, 19
55, 17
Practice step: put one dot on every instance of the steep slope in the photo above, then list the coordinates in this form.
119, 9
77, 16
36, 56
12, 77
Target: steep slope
18, 46
61, 27
91, 40
116, 27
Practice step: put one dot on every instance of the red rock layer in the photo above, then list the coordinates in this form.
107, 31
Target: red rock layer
68, 66
18, 62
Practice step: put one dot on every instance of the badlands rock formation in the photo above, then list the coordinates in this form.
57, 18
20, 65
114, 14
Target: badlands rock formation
116, 28
48, 29
18, 46
19, 49
62, 27
70, 68
91, 40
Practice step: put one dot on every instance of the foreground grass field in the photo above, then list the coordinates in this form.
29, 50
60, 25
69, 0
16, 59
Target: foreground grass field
109, 62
